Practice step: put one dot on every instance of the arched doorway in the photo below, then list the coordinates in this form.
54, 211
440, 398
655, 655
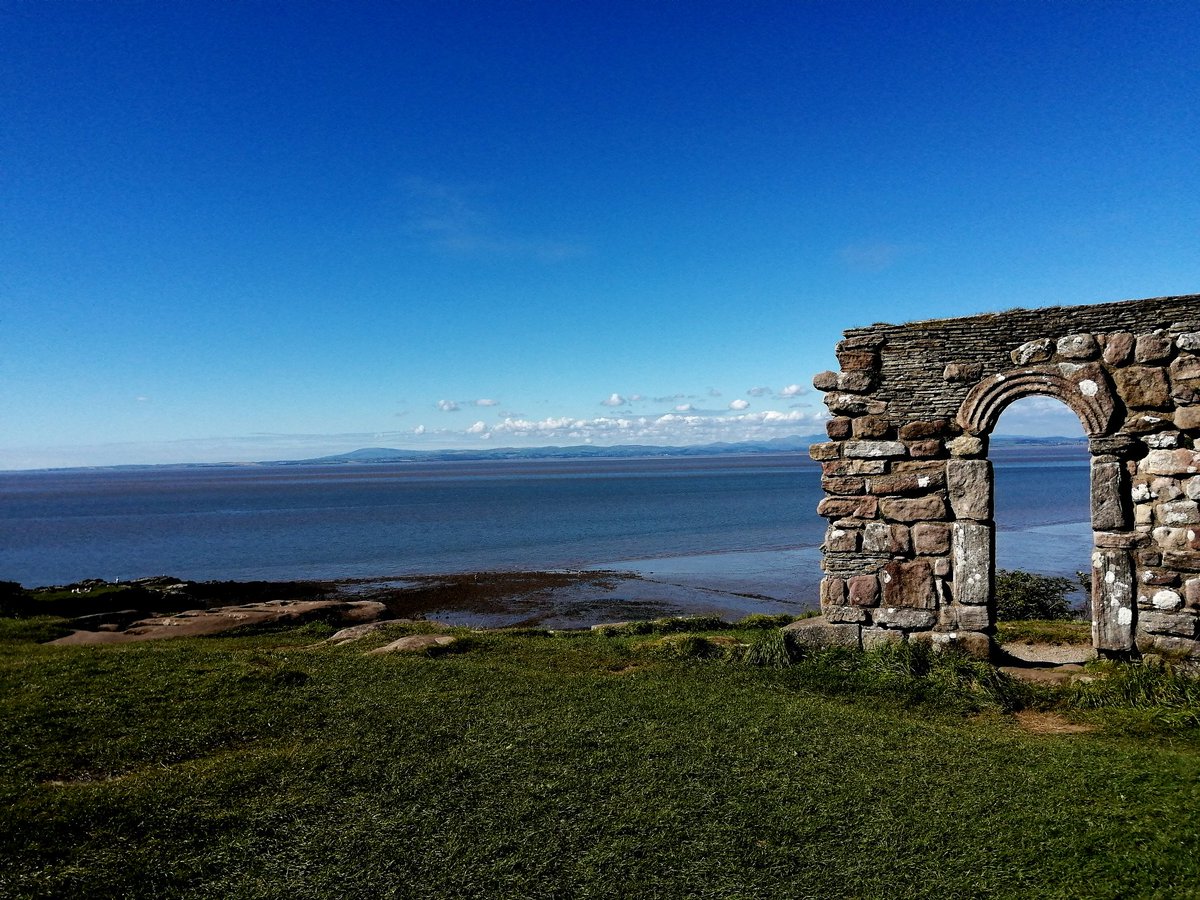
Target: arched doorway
1088, 392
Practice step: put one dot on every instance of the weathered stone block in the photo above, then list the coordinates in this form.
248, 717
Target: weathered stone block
1191, 593
941, 568
969, 483
909, 584
1114, 445
1187, 418
817, 633
973, 555
844, 484
963, 372
925, 449
825, 381
841, 404
903, 617
1112, 600
1118, 348
931, 539
1189, 340
844, 507
842, 467
1179, 512
857, 360
1182, 561
1143, 423
875, 637
1159, 577
1168, 645
1166, 488
874, 449
1167, 440
863, 590
838, 428
1122, 540
965, 446
1153, 348
905, 483
1033, 352
871, 427
833, 591
856, 382
841, 540
969, 643
1143, 387
844, 614
1166, 600
1191, 488
1185, 368
1170, 462
920, 430
1077, 346
885, 539
1180, 624
1108, 491
967, 618
825, 451
915, 509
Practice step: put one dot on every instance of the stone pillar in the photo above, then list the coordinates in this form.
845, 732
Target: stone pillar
1112, 601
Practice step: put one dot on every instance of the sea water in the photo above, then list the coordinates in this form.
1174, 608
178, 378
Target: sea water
745, 524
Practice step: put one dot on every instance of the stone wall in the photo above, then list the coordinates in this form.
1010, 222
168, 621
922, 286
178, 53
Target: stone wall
909, 551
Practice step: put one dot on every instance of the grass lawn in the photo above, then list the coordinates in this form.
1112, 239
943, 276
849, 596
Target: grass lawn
527, 765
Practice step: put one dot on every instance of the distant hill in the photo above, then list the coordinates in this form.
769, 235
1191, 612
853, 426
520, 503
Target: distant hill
790, 444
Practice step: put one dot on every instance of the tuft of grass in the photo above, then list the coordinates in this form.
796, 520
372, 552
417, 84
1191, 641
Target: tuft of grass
1159, 695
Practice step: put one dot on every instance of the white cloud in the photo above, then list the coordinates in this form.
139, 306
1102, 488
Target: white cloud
614, 400
447, 405
793, 390
487, 402
684, 407
477, 428
420, 429
739, 404
758, 391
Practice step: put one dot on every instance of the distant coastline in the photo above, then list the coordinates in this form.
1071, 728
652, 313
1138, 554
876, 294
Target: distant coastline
374, 455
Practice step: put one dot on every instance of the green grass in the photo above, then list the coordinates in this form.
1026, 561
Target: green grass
533, 765
1044, 631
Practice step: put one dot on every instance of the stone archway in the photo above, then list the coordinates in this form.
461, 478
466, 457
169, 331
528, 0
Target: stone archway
1088, 392
909, 551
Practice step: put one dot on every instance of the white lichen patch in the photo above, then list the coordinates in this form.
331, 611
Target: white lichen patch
1124, 616
1088, 388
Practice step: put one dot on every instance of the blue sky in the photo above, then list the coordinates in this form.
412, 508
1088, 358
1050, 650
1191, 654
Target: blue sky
272, 230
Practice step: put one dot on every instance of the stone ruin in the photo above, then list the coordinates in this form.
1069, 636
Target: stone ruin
909, 553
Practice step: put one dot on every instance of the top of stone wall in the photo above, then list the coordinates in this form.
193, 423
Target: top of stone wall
925, 368
1120, 315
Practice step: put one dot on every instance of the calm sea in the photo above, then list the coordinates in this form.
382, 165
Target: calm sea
736, 523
